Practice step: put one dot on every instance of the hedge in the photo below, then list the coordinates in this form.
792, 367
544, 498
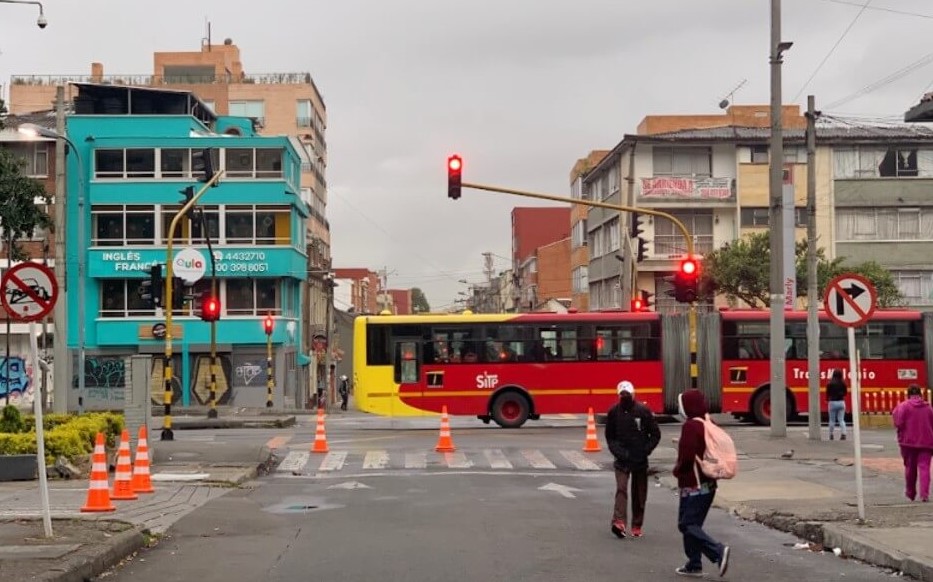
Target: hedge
66, 435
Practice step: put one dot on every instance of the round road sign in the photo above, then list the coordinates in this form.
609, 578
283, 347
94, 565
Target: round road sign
850, 300
29, 291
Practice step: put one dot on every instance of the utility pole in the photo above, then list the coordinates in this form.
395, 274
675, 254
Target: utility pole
777, 390
60, 360
629, 268
813, 324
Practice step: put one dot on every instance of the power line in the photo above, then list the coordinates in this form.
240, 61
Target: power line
833, 49
881, 9
903, 72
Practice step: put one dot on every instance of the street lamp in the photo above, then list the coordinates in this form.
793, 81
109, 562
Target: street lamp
61, 316
41, 22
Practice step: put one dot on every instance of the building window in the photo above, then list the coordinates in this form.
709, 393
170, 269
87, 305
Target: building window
581, 282
255, 109
304, 115
759, 216
253, 297
265, 225
613, 181
669, 241
140, 163
116, 225
682, 161
108, 164
175, 163
578, 234
884, 224
915, 286
880, 162
760, 154
121, 298
612, 234
34, 157
253, 163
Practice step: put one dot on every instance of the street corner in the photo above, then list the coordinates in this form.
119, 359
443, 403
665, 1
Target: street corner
231, 475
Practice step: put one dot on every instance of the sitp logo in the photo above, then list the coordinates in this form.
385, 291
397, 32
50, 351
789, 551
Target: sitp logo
486, 380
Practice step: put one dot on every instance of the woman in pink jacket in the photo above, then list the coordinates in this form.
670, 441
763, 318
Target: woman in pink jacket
913, 419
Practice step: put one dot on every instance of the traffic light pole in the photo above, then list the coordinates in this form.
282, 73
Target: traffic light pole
212, 403
688, 242
270, 379
167, 434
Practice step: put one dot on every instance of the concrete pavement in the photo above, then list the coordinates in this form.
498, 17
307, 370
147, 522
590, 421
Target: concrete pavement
811, 494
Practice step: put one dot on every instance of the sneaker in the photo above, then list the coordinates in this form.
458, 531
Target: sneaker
724, 561
830, 436
842, 438
636, 531
618, 528
692, 572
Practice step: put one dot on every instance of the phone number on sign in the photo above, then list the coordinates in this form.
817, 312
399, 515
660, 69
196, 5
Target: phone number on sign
240, 256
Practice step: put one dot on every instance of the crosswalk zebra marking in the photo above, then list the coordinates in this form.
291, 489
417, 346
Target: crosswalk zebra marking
457, 461
497, 459
333, 461
376, 460
417, 460
536, 459
293, 462
577, 459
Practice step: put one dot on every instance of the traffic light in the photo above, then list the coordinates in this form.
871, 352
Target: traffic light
202, 162
641, 249
210, 308
454, 170
637, 305
150, 290
268, 324
178, 294
637, 227
686, 281
647, 301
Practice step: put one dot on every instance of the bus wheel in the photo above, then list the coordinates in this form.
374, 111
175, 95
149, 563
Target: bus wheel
761, 408
510, 409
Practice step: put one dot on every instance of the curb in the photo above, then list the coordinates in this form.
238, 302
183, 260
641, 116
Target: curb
80, 569
853, 544
221, 423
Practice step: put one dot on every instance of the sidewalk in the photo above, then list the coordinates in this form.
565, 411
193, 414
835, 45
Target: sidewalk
813, 495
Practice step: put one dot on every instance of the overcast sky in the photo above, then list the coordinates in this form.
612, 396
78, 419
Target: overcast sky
520, 88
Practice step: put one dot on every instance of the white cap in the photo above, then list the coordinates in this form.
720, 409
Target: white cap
625, 386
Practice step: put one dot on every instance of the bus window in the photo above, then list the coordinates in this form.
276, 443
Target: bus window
453, 345
377, 345
406, 362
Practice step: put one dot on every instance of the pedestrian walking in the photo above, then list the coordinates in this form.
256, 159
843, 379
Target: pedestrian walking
913, 420
344, 391
632, 434
697, 490
836, 391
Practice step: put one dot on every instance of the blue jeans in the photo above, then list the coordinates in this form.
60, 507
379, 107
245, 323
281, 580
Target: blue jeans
837, 415
694, 505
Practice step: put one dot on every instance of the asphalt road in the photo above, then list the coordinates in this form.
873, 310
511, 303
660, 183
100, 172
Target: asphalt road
442, 524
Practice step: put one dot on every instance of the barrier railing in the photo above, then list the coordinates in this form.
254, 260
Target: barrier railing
884, 401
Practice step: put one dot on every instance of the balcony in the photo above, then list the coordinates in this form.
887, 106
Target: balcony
671, 246
674, 189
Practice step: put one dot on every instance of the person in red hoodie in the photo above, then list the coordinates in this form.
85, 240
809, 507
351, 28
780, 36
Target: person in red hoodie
913, 419
696, 491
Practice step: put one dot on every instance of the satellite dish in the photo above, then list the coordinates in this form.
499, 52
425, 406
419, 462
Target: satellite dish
724, 103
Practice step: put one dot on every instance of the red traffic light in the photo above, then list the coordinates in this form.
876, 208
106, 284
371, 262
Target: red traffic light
210, 309
454, 168
454, 163
268, 324
689, 267
638, 305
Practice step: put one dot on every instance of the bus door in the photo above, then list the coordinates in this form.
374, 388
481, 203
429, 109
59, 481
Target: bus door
407, 360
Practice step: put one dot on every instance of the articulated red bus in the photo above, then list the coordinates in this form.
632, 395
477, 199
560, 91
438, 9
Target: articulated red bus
513, 367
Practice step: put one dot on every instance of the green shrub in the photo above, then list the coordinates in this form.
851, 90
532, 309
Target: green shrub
17, 444
49, 421
63, 441
11, 420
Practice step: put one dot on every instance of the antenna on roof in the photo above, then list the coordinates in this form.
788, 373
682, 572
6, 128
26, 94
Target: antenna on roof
727, 100
207, 24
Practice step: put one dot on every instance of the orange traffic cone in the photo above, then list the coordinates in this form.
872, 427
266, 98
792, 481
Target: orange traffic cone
592, 442
445, 443
320, 437
141, 481
98, 493
123, 480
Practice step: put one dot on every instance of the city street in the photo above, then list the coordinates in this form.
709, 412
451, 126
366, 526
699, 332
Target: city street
508, 505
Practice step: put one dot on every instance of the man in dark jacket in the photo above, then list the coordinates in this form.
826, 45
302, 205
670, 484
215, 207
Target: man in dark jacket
696, 490
632, 433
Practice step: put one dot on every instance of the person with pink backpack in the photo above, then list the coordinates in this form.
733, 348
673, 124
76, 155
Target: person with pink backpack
697, 488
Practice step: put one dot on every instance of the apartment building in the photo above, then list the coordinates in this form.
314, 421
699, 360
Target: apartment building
131, 168
579, 255
534, 227
285, 104
713, 175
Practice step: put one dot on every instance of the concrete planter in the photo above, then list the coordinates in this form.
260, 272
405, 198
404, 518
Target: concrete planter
18, 467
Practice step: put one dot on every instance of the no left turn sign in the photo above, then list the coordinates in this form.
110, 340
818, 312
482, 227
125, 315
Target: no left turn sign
850, 300
29, 291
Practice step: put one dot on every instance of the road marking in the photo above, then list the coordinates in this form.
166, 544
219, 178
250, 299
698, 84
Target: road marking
564, 490
376, 460
416, 460
579, 461
350, 485
566, 416
537, 460
333, 461
497, 459
293, 462
457, 461
278, 442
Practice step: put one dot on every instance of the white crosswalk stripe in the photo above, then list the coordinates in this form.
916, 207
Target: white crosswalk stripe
579, 461
417, 460
376, 460
303, 463
537, 460
497, 459
333, 461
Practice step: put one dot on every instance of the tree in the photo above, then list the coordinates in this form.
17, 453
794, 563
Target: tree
21, 205
419, 303
742, 271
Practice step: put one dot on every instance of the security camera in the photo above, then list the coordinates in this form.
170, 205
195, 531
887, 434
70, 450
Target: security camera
42, 22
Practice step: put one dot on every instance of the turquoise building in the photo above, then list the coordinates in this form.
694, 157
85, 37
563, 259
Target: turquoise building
135, 151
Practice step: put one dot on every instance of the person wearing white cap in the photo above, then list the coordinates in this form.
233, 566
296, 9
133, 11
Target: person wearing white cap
632, 434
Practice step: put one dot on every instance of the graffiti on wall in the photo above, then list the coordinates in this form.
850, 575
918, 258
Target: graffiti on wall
157, 381
104, 380
202, 379
16, 386
249, 371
